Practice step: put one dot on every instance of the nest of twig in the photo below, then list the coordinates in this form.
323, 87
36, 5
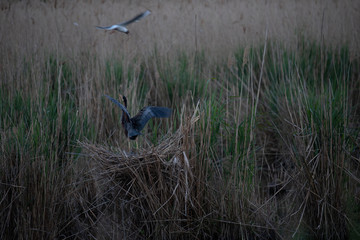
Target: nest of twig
152, 186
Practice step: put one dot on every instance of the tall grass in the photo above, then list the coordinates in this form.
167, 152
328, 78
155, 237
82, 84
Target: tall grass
272, 159
309, 104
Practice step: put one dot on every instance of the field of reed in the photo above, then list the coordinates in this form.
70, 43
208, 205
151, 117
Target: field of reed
263, 141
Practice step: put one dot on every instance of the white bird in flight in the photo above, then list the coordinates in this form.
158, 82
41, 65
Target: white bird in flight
121, 27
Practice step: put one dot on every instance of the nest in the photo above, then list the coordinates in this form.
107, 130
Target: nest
149, 187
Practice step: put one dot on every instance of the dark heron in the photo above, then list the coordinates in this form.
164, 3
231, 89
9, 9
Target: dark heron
133, 125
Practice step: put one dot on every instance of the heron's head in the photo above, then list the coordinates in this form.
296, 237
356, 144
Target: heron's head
133, 137
132, 134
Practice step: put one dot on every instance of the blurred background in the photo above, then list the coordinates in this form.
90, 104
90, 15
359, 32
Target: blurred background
217, 27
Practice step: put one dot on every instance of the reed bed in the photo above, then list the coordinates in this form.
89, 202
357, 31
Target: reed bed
263, 142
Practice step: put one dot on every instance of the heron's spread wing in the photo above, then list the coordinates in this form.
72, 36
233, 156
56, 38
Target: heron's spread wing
147, 113
119, 104
107, 28
135, 19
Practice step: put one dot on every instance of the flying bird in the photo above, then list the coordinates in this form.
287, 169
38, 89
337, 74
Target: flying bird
121, 27
133, 125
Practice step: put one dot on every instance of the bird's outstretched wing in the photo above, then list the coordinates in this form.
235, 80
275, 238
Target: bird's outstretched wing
136, 18
147, 113
119, 104
107, 28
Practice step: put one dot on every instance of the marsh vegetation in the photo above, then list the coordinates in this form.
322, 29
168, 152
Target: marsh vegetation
263, 141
